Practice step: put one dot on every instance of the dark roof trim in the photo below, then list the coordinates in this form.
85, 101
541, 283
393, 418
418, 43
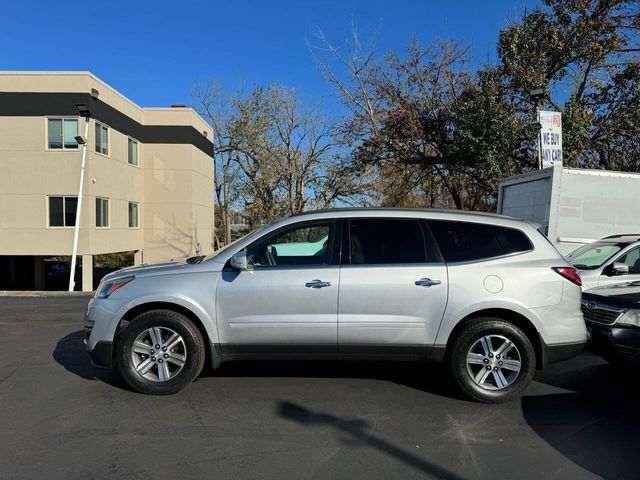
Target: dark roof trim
28, 104
405, 209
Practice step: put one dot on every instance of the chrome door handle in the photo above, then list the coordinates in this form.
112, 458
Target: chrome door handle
317, 284
427, 282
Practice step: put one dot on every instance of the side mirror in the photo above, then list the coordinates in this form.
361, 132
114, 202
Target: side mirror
239, 260
619, 269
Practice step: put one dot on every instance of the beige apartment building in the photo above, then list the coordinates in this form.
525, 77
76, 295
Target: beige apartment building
148, 185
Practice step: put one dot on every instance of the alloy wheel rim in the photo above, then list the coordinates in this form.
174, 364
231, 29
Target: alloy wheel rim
493, 362
158, 354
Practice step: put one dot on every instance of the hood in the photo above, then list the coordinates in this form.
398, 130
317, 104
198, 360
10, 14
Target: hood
622, 294
145, 269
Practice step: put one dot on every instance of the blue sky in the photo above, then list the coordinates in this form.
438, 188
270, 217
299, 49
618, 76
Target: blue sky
153, 51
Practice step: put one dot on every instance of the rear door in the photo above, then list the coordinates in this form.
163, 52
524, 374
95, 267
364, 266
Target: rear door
393, 287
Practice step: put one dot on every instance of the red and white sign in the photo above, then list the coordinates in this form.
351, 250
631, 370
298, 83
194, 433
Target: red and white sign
551, 138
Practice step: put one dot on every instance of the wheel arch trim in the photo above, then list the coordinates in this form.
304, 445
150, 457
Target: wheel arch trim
515, 316
191, 310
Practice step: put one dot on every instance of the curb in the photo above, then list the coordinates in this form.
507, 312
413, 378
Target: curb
33, 293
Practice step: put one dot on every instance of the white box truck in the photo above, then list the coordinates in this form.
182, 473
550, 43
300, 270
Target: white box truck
574, 206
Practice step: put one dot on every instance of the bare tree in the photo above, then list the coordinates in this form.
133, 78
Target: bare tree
274, 156
215, 105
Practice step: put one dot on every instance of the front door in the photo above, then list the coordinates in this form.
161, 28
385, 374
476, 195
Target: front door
632, 260
287, 302
393, 288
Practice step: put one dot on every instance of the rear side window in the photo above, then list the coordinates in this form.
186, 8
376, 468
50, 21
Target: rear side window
384, 241
464, 241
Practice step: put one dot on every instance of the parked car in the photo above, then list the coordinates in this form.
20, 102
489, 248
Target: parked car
488, 295
614, 259
612, 314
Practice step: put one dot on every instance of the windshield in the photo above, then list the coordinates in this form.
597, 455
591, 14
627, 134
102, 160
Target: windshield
594, 255
222, 249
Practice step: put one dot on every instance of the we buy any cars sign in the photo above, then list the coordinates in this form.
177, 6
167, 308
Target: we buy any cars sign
551, 138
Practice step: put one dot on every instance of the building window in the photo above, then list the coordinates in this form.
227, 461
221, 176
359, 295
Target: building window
102, 212
102, 139
134, 215
62, 211
133, 152
62, 133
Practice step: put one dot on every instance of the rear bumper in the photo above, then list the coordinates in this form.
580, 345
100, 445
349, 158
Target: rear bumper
560, 352
615, 343
102, 354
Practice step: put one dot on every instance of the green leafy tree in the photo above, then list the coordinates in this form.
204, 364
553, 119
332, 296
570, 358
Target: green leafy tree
584, 53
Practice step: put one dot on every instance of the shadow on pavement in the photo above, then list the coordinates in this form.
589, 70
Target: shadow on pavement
358, 432
421, 376
596, 425
71, 354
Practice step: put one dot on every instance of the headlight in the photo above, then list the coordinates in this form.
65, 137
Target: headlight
107, 288
630, 317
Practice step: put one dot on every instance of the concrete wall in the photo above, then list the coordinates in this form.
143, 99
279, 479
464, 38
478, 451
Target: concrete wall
173, 183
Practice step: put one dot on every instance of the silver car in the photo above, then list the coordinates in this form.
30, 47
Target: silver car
487, 295
614, 259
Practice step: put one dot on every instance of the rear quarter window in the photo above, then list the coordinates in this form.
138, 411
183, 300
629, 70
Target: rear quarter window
466, 241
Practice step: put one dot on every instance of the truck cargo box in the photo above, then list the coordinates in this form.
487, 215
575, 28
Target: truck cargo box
574, 206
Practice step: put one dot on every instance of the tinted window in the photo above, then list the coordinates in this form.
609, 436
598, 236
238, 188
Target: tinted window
62, 211
379, 241
303, 245
463, 242
70, 206
56, 211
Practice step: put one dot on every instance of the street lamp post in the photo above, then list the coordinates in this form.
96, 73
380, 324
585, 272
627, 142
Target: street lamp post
537, 95
84, 112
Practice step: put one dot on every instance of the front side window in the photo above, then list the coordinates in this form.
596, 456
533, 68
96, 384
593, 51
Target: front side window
386, 241
307, 245
102, 139
632, 260
102, 212
134, 215
466, 241
133, 152
62, 211
62, 133
594, 255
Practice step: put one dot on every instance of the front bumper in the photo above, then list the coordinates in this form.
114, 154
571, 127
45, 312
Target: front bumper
100, 324
102, 354
615, 343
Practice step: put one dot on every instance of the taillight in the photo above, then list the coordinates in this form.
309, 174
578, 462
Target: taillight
569, 273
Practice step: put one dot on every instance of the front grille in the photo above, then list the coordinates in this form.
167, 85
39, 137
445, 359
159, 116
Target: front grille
598, 313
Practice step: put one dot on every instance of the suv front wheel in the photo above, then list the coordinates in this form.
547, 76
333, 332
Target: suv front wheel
160, 352
492, 360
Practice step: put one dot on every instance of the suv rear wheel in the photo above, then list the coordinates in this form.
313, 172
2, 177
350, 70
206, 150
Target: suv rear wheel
160, 352
492, 360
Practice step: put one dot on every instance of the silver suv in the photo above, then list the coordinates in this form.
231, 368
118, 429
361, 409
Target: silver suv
614, 259
486, 294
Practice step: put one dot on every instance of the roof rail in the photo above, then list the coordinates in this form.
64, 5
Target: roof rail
618, 235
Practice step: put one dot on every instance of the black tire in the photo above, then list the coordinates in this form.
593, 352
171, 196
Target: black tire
193, 348
456, 361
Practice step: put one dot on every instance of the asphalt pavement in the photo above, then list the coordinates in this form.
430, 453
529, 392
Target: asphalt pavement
61, 418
